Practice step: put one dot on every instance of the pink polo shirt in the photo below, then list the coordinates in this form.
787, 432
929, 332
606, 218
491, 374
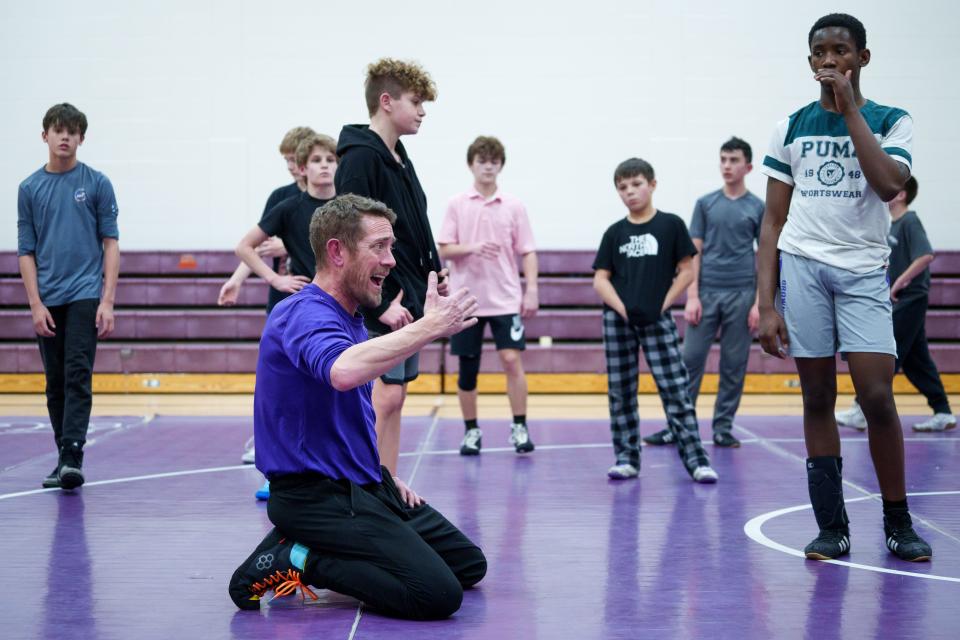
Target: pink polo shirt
502, 219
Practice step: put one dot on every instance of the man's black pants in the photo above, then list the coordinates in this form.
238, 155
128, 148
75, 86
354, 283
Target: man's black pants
913, 355
68, 366
366, 543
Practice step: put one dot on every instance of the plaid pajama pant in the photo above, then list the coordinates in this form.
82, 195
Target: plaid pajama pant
661, 347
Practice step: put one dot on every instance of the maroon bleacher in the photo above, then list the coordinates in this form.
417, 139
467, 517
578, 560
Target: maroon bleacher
168, 321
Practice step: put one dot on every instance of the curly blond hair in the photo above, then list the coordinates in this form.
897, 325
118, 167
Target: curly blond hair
394, 77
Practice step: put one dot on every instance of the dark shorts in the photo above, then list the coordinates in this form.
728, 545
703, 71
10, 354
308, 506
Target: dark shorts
403, 372
508, 333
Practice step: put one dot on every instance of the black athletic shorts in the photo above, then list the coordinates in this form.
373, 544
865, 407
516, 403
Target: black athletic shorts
508, 333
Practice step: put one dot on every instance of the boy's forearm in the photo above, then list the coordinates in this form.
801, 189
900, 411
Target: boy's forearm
884, 174
450, 251
241, 273
28, 273
531, 270
682, 280
254, 262
608, 294
111, 270
916, 268
693, 290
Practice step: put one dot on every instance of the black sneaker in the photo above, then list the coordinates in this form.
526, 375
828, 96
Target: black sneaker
725, 440
904, 542
520, 438
52, 481
267, 569
660, 437
472, 440
831, 543
71, 461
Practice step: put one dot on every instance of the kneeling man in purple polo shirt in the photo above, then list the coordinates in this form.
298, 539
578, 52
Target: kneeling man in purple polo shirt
341, 521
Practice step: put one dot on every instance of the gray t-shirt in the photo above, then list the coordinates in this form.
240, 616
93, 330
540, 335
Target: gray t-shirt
62, 219
908, 241
728, 229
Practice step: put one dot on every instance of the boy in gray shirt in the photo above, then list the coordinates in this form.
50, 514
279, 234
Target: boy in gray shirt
69, 258
722, 296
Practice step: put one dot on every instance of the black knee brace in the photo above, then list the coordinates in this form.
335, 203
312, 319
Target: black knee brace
469, 368
825, 483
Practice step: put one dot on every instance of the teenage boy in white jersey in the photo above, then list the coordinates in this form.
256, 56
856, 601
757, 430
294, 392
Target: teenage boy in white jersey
832, 165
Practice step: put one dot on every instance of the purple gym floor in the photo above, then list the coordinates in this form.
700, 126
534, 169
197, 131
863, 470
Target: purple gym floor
145, 549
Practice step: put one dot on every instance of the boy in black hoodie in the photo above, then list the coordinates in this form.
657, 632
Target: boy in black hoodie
373, 163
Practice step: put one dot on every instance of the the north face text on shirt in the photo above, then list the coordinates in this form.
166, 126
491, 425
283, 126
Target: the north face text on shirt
639, 246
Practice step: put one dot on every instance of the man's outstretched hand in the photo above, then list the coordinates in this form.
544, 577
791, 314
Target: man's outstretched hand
449, 314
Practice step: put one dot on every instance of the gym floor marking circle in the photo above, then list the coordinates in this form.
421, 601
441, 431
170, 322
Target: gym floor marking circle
753, 529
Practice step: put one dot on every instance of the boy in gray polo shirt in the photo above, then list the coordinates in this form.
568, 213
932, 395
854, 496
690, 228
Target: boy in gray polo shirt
722, 295
67, 243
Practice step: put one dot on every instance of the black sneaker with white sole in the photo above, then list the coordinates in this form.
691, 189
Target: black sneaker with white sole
830, 544
904, 542
664, 436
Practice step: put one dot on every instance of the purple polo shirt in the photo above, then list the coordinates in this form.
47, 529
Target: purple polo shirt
301, 423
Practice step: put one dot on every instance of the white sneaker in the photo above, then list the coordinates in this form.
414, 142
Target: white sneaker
705, 475
520, 438
472, 440
622, 472
939, 422
249, 454
852, 417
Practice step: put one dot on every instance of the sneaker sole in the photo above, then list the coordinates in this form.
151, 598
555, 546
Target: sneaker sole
946, 428
816, 556
71, 480
524, 449
735, 445
469, 452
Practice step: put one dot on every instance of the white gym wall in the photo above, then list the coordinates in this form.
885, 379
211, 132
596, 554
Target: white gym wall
188, 100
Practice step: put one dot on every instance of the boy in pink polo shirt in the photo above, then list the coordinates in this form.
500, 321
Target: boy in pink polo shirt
483, 232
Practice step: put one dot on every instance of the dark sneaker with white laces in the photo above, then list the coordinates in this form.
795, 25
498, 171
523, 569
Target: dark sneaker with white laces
267, 569
904, 542
520, 438
662, 437
472, 440
830, 544
52, 481
71, 460
725, 440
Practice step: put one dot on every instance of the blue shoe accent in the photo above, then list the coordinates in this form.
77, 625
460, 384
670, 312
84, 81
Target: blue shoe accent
263, 493
298, 556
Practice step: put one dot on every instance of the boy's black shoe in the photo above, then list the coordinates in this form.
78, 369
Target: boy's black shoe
660, 437
904, 542
267, 569
71, 461
725, 440
830, 544
52, 481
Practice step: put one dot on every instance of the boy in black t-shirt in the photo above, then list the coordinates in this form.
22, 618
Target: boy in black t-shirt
272, 247
289, 220
909, 275
643, 264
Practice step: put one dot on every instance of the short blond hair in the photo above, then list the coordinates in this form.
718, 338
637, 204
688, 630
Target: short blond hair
311, 142
394, 77
293, 138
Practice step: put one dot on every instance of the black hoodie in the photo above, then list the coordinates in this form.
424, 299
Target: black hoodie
367, 168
